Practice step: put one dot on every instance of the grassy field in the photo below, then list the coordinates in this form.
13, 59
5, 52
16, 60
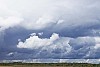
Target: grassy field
48, 65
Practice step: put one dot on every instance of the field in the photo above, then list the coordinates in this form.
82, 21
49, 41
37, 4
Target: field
48, 65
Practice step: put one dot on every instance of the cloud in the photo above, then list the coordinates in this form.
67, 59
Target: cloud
40, 33
52, 45
5, 23
97, 40
8, 17
75, 24
81, 42
10, 54
85, 47
63, 16
62, 47
92, 61
67, 14
82, 46
35, 42
71, 12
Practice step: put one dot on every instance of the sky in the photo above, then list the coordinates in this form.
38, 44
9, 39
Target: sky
49, 29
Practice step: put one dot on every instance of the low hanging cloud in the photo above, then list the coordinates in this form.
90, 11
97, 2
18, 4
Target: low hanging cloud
62, 47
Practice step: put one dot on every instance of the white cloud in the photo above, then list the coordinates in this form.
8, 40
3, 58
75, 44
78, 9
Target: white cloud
42, 22
97, 40
33, 34
54, 46
35, 42
40, 34
10, 54
9, 22
92, 61
8, 17
60, 21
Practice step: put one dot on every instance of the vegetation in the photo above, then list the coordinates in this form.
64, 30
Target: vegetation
19, 64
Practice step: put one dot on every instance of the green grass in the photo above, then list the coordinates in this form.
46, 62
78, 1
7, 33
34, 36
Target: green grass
19, 64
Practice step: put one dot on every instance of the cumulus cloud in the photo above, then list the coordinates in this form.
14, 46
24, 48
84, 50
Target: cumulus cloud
81, 42
35, 42
53, 46
61, 47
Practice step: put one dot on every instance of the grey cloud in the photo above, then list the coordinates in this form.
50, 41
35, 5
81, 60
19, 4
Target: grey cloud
77, 23
64, 47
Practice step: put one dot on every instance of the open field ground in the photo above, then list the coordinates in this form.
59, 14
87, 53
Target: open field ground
48, 65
